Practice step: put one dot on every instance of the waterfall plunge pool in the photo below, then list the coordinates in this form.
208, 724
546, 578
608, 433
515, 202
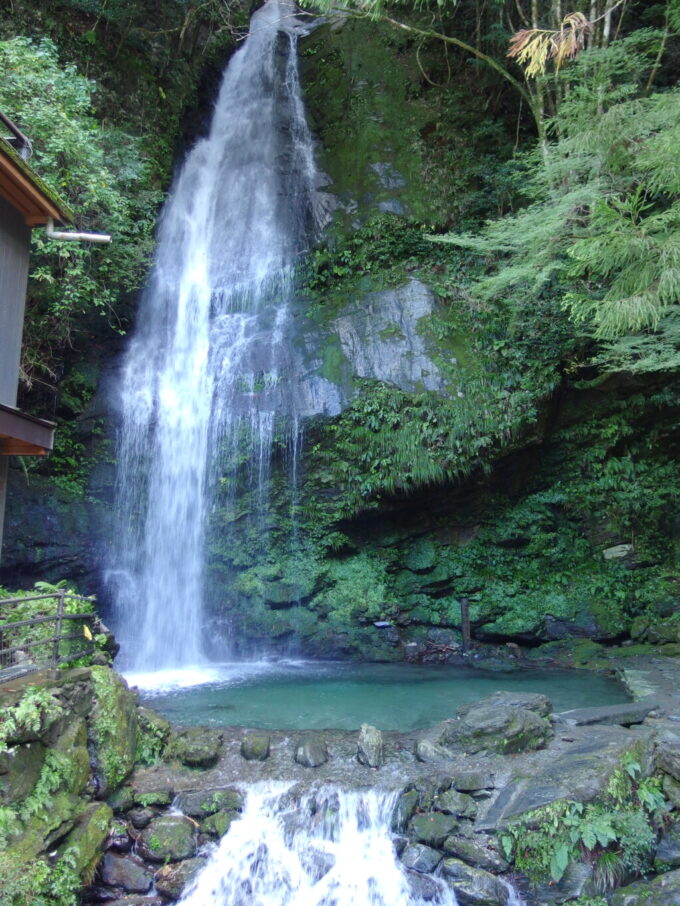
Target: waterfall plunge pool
313, 695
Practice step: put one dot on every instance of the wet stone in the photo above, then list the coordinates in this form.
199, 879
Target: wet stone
119, 838
201, 803
196, 747
218, 824
668, 849
432, 828
139, 901
127, 872
473, 886
169, 838
404, 809
312, 752
454, 803
255, 746
370, 749
173, 878
317, 863
423, 887
474, 853
141, 817
421, 858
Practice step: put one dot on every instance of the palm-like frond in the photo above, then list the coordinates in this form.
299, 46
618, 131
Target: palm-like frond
533, 48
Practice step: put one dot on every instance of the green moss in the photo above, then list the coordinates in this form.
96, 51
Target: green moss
114, 728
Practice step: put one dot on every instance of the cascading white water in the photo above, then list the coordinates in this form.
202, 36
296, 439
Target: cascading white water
331, 849
209, 362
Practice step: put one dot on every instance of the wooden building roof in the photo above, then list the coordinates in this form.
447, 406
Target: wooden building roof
27, 192
24, 435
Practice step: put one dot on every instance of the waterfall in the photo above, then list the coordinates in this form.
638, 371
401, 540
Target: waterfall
207, 375
330, 848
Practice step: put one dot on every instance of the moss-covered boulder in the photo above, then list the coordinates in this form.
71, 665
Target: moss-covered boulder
113, 730
497, 728
201, 803
432, 828
404, 809
83, 846
126, 871
169, 838
122, 799
452, 802
218, 824
664, 890
196, 747
172, 879
472, 851
473, 886
20, 770
255, 746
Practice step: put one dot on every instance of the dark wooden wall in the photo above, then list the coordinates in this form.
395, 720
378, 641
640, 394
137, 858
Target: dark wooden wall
15, 240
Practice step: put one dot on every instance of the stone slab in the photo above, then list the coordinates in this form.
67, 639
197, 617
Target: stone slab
622, 715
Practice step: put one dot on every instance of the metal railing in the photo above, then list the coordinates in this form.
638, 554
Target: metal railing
48, 640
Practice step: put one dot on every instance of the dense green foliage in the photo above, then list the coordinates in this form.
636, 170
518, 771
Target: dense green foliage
601, 235
615, 834
103, 175
99, 87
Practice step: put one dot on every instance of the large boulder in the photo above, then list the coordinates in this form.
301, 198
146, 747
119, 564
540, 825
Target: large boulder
169, 838
473, 886
421, 858
20, 770
668, 848
126, 871
172, 879
370, 749
664, 890
667, 754
113, 730
452, 802
311, 752
256, 746
504, 729
196, 747
404, 809
201, 803
532, 701
474, 852
432, 828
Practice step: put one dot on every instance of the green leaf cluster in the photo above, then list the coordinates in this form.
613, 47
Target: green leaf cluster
601, 234
103, 173
615, 833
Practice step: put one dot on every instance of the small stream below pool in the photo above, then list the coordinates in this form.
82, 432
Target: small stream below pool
312, 695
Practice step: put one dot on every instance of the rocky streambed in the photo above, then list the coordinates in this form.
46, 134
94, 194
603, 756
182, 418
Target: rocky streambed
505, 799
461, 790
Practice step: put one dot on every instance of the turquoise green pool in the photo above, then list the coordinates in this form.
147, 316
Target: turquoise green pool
294, 695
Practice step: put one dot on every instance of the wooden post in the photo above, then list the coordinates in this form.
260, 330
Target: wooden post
57, 629
465, 622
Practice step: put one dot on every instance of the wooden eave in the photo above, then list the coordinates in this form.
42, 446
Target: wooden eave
24, 435
25, 191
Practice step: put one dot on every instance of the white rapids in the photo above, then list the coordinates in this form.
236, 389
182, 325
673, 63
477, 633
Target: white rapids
330, 848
